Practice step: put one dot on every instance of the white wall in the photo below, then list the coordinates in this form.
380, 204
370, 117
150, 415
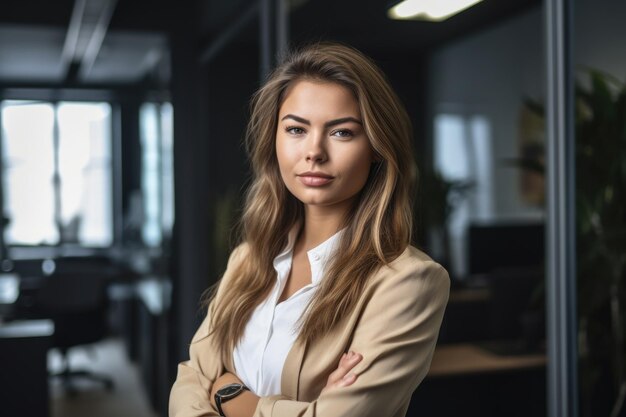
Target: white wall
489, 74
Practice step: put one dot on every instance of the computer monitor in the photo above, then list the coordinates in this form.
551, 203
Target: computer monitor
505, 245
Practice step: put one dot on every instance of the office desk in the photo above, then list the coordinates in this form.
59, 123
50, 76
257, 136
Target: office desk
467, 358
23, 361
470, 381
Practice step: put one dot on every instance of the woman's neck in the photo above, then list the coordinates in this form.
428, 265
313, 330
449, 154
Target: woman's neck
319, 226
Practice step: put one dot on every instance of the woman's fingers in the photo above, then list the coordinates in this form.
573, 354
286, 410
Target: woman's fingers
347, 380
342, 377
349, 362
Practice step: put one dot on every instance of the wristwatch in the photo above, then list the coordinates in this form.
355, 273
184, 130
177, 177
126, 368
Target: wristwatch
227, 393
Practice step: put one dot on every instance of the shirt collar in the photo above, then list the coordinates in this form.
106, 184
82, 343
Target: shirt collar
319, 257
284, 258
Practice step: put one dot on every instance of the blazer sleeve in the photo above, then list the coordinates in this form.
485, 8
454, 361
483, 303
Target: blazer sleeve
189, 396
396, 335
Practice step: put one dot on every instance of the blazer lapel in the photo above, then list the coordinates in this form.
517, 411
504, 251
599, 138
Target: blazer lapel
290, 377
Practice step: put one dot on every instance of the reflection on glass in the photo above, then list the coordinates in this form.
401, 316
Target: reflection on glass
494, 321
600, 130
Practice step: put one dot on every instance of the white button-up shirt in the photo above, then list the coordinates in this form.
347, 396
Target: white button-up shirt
260, 355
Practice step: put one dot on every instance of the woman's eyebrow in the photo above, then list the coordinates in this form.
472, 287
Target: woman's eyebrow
342, 120
327, 124
297, 119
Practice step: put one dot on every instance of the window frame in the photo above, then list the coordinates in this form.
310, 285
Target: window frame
55, 97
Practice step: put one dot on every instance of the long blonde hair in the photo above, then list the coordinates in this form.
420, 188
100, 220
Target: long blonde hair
378, 228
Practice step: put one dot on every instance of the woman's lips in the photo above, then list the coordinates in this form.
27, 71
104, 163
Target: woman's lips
314, 179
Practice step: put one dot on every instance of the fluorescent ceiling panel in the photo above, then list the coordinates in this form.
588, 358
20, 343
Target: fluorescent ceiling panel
434, 10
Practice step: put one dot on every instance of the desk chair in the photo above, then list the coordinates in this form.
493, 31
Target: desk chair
511, 310
77, 303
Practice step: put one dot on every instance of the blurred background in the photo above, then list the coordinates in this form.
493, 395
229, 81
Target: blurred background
122, 172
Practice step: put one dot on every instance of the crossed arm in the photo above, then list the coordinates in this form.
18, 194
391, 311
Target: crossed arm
396, 337
245, 403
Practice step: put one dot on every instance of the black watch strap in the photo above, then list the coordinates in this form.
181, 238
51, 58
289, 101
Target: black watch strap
227, 393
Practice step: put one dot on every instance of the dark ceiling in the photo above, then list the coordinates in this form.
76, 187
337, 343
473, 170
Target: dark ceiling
33, 32
365, 23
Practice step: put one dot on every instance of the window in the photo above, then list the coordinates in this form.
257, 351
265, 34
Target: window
157, 186
462, 151
57, 173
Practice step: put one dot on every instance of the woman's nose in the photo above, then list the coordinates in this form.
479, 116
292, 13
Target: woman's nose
316, 151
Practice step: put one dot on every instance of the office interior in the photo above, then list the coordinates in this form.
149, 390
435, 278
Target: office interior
122, 172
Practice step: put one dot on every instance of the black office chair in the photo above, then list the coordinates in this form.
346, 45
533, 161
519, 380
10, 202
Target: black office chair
77, 303
512, 315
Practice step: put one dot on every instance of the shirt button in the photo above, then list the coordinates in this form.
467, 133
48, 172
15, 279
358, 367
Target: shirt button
316, 257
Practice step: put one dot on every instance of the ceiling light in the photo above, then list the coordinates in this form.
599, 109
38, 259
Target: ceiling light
435, 10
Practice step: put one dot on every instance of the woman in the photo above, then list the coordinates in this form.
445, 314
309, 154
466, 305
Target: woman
325, 268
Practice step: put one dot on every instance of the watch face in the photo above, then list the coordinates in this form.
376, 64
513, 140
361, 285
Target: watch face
229, 390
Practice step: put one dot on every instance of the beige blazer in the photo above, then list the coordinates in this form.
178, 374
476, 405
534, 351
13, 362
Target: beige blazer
394, 326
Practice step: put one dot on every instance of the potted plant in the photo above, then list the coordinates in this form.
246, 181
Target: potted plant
439, 197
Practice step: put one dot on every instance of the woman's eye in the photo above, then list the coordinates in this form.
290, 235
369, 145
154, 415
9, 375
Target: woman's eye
343, 133
295, 130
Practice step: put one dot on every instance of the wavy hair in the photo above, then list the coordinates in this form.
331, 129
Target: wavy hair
379, 225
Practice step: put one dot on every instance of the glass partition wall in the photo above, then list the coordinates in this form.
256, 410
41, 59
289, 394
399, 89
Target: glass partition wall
599, 72
491, 356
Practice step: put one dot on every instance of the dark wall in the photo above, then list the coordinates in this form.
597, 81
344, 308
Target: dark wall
232, 80
190, 244
407, 74
131, 148
210, 115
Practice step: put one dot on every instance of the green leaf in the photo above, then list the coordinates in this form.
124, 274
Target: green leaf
602, 100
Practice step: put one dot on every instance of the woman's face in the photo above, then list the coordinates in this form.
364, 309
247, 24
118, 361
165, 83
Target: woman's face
323, 153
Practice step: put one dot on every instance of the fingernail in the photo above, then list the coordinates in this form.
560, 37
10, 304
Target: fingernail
349, 376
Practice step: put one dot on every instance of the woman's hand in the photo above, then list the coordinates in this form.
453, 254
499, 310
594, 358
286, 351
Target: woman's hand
342, 377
